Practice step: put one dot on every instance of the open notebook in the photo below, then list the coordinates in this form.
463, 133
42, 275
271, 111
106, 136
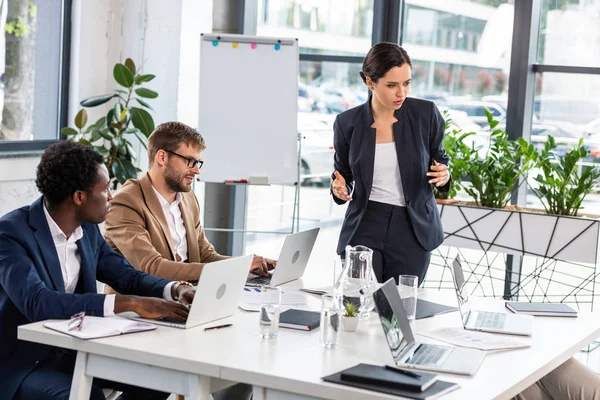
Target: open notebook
98, 327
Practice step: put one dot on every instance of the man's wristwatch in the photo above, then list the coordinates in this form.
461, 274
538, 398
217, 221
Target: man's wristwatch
175, 288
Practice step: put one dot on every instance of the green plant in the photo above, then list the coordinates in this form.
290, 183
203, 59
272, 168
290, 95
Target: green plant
495, 178
461, 156
110, 135
562, 187
350, 309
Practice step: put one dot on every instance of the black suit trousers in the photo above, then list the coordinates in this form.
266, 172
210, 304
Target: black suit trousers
387, 230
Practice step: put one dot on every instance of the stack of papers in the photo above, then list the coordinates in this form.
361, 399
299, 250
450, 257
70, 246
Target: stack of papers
289, 298
476, 340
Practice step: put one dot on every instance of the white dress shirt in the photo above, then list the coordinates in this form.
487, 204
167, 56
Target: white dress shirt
70, 262
387, 183
176, 225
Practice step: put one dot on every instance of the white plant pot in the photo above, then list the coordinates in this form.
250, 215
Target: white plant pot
565, 238
349, 324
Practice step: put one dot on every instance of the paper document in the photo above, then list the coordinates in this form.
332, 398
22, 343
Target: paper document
289, 297
98, 327
475, 340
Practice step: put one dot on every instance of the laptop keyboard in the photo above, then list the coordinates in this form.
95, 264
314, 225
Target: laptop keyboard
490, 320
260, 280
428, 355
172, 321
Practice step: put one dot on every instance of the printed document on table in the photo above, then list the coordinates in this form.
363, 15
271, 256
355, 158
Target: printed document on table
476, 340
289, 297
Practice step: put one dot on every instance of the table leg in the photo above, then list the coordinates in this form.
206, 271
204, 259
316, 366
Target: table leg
261, 393
82, 383
199, 388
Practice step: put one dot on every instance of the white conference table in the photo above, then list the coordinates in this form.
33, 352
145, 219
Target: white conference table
195, 363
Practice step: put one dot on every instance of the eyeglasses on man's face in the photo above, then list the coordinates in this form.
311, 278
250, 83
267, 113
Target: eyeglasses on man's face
191, 162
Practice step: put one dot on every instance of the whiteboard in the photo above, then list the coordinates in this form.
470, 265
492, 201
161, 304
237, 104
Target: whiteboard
248, 108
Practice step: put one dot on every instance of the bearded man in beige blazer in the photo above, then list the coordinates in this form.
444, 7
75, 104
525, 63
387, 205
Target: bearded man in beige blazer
154, 221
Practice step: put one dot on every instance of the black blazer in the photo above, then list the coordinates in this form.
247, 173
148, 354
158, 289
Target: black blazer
419, 135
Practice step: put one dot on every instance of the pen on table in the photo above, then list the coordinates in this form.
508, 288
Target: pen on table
402, 371
217, 327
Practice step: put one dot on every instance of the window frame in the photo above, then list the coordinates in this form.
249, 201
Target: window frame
27, 147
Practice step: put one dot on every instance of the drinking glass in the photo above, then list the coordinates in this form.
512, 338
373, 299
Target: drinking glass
330, 320
408, 293
270, 304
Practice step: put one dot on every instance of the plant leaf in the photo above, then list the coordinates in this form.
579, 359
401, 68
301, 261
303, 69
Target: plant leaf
81, 118
123, 75
96, 100
144, 78
143, 103
103, 134
147, 93
119, 171
130, 65
140, 136
68, 131
142, 120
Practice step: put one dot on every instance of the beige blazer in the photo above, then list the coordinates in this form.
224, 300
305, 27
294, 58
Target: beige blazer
137, 228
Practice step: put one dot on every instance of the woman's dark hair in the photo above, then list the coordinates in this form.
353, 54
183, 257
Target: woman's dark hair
381, 58
65, 168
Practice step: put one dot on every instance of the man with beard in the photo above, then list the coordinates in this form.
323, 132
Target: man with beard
154, 221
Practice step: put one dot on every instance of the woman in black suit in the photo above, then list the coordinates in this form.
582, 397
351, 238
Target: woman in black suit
388, 153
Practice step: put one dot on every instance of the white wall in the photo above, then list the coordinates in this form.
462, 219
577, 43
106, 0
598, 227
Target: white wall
17, 186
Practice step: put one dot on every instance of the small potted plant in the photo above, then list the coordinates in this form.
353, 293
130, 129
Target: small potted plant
350, 317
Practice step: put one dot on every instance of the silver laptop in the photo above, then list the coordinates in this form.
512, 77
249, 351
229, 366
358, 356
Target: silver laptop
407, 352
485, 321
292, 260
219, 290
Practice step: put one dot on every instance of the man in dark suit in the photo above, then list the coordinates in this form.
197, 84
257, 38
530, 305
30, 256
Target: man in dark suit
51, 254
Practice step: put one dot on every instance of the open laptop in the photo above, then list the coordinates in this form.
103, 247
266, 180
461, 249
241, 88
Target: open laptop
219, 290
485, 321
292, 260
407, 352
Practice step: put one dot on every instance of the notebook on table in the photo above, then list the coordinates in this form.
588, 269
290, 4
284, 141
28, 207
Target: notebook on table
437, 389
300, 319
426, 309
99, 327
381, 376
541, 309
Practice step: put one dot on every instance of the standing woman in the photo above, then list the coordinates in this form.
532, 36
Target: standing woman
388, 153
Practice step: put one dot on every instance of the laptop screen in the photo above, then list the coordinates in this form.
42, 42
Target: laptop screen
462, 294
394, 321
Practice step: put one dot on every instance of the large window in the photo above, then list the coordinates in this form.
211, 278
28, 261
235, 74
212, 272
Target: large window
461, 57
567, 95
32, 56
323, 26
570, 33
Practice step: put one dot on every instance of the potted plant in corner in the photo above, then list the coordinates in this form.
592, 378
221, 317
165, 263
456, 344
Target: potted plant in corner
350, 317
112, 134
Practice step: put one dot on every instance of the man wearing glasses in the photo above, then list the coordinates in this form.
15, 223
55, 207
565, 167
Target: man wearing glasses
155, 220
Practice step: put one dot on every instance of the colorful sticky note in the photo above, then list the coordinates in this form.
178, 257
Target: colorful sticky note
253, 45
235, 45
215, 43
277, 47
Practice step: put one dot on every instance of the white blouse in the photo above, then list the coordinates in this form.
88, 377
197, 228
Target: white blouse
387, 184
